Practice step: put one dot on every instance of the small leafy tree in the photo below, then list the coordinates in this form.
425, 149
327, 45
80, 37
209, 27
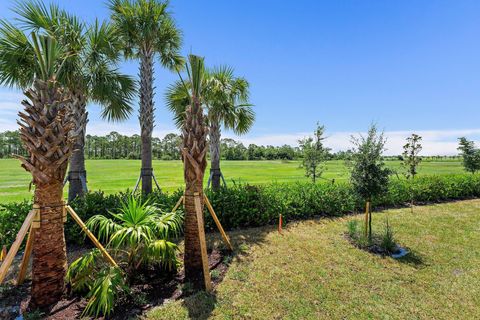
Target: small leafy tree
369, 175
470, 155
314, 154
411, 159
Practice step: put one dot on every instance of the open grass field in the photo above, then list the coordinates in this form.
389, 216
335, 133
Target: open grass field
119, 175
313, 272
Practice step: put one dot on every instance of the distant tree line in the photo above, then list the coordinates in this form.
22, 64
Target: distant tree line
118, 146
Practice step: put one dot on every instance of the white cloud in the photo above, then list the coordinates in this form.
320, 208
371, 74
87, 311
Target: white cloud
435, 142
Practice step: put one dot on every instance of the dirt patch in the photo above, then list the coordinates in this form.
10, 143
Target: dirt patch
150, 289
372, 246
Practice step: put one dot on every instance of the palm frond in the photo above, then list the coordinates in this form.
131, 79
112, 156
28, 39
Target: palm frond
177, 98
81, 272
162, 252
196, 72
109, 284
104, 227
169, 224
147, 25
227, 99
49, 57
17, 58
35, 15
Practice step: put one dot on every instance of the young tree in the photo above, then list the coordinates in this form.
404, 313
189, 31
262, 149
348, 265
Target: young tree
314, 154
369, 176
410, 155
470, 155
411, 159
148, 30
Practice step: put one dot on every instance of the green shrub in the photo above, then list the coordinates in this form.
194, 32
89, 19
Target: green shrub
244, 205
12, 216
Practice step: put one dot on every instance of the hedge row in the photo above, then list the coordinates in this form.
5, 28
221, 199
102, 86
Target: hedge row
242, 206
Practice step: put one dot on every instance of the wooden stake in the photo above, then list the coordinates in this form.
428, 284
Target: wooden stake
91, 236
3, 253
367, 212
16, 245
179, 202
280, 224
64, 212
217, 222
26, 257
203, 243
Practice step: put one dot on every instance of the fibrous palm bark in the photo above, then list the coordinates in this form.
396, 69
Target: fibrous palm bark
215, 171
46, 130
146, 118
77, 175
194, 150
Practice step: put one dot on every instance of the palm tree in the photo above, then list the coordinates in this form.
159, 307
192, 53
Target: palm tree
92, 75
194, 150
147, 29
226, 101
47, 132
228, 106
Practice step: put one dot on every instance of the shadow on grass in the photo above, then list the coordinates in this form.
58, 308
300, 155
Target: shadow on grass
200, 305
413, 259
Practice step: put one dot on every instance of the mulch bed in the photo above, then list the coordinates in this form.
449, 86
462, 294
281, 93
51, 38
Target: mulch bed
151, 289
374, 247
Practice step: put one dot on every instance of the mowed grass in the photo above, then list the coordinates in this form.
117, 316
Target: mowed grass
119, 175
313, 272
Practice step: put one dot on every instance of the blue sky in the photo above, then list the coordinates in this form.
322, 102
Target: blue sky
406, 65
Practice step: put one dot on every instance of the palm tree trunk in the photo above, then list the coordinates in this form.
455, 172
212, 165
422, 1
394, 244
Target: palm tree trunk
215, 171
146, 117
77, 174
49, 252
46, 130
194, 151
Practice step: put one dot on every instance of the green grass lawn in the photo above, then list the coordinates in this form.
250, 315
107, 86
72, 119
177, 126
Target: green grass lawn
118, 175
313, 272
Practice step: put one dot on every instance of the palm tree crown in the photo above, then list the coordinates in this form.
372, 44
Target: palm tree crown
93, 57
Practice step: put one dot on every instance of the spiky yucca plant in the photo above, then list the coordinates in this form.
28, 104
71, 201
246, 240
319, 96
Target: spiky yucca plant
138, 235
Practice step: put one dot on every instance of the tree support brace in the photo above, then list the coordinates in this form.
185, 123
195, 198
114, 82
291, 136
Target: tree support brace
225, 238
146, 172
77, 175
203, 242
214, 172
32, 222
